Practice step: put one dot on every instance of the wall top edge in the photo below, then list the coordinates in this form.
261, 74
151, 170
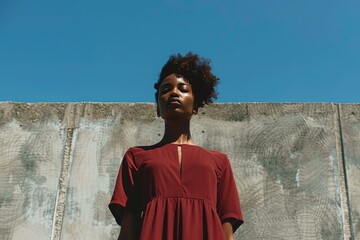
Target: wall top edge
216, 103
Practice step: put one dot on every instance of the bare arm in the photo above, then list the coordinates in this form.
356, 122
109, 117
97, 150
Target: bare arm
228, 230
130, 225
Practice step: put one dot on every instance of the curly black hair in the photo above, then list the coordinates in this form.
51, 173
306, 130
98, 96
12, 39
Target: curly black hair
197, 71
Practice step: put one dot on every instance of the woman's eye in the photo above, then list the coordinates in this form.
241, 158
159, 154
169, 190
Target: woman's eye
184, 89
164, 90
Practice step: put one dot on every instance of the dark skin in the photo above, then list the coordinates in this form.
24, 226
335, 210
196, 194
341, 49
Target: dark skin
175, 104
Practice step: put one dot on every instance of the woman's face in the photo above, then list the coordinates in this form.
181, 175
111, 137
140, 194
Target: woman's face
175, 98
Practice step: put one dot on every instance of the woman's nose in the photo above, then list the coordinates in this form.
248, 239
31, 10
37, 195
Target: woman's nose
174, 92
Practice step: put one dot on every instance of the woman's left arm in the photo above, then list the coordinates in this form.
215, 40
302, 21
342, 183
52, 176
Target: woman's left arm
228, 204
228, 230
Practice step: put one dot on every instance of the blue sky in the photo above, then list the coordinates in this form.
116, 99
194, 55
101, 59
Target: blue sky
112, 51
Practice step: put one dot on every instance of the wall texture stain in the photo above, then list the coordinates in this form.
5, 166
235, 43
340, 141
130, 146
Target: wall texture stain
297, 166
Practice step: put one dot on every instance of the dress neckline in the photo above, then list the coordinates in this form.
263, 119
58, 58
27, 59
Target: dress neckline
182, 144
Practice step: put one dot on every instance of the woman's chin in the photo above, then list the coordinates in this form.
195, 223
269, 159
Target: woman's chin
177, 114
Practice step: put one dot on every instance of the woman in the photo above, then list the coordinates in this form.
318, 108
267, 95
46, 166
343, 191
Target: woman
176, 189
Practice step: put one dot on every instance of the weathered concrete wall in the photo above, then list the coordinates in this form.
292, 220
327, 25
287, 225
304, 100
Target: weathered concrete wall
350, 126
297, 166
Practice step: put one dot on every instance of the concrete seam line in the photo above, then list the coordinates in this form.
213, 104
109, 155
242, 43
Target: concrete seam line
342, 173
62, 187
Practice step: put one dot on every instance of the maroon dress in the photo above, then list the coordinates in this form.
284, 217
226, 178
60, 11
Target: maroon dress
187, 198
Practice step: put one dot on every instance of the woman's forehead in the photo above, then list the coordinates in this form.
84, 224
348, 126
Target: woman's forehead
174, 79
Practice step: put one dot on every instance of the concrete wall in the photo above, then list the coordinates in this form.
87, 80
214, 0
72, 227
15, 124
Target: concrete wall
297, 166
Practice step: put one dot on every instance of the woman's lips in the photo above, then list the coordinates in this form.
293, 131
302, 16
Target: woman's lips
174, 101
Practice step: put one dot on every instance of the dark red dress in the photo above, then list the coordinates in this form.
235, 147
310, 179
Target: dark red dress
187, 200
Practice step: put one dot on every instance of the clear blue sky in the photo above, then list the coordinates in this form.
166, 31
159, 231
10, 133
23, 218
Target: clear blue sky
112, 51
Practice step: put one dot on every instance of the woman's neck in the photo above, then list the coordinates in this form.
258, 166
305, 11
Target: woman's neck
177, 132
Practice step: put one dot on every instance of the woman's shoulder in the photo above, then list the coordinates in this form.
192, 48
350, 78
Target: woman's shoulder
215, 154
144, 148
221, 159
135, 155
137, 152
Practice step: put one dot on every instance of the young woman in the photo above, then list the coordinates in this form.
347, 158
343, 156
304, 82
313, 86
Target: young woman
176, 189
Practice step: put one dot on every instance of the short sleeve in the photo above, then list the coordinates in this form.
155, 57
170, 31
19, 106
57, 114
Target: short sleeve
126, 191
228, 203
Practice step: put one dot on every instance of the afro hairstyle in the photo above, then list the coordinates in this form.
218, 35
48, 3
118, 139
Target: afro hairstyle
197, 71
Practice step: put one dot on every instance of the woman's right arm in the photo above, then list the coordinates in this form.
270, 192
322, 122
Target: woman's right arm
130, 225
